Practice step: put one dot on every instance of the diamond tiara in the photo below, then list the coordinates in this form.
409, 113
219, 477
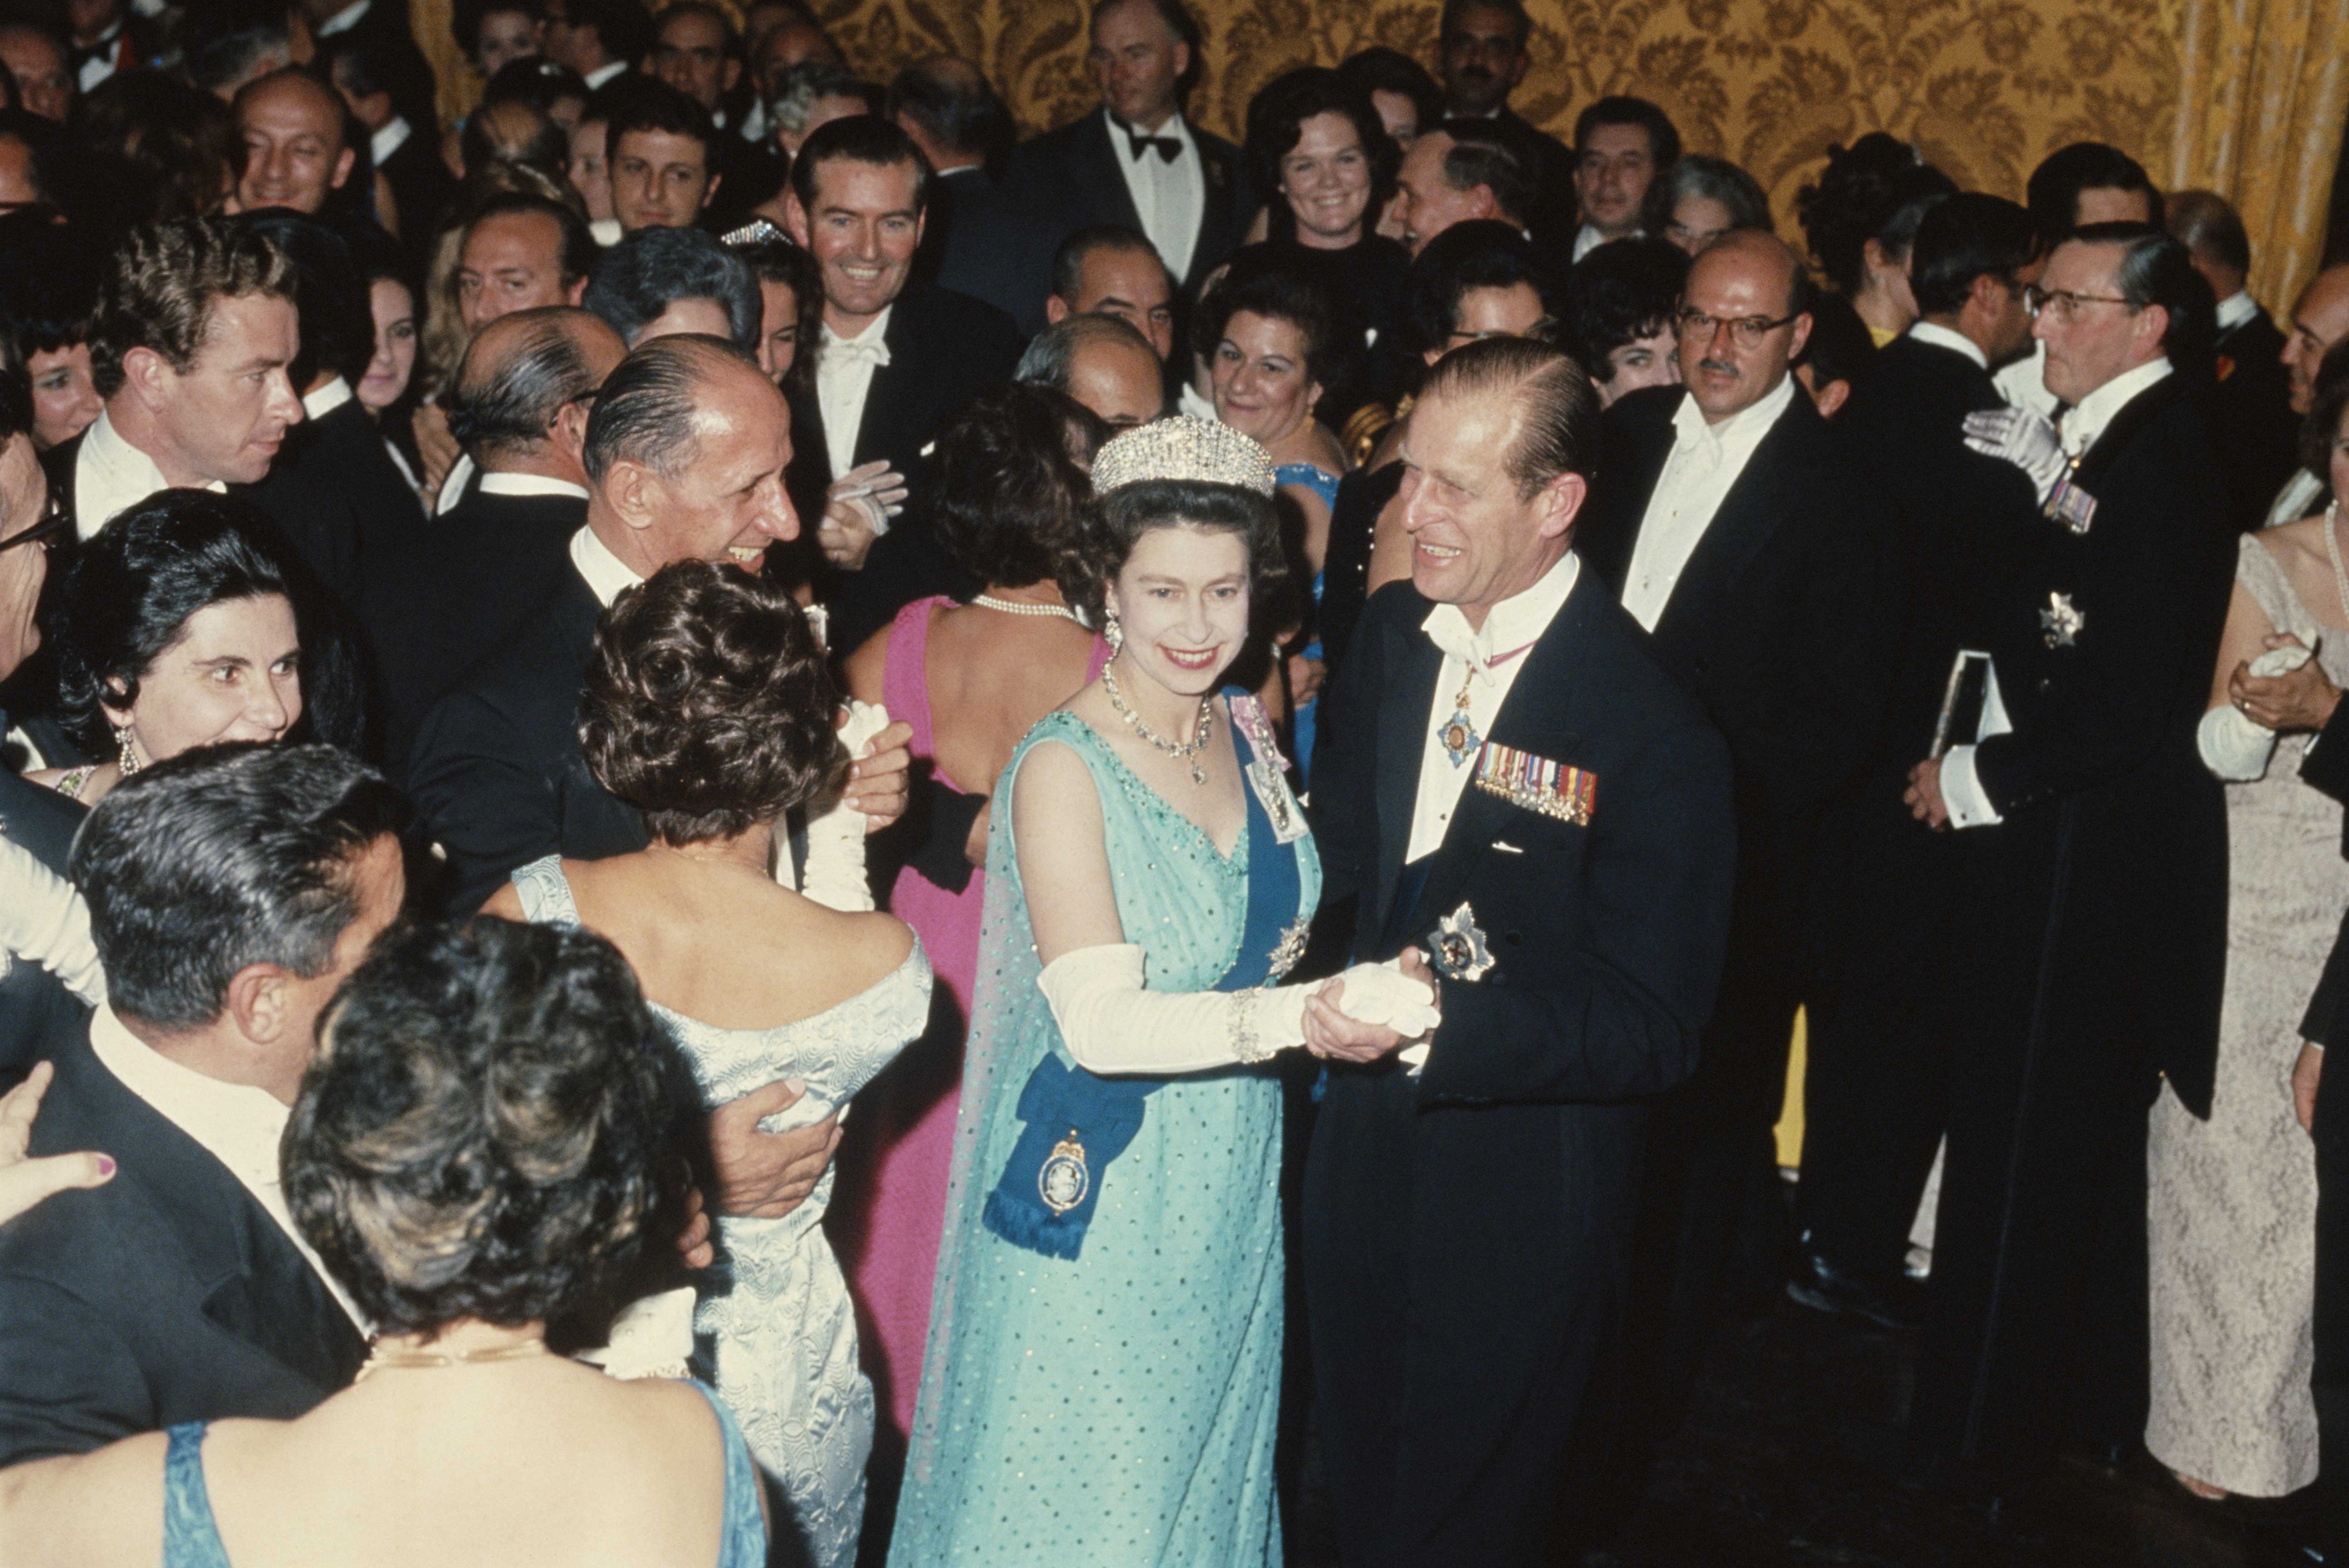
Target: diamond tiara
1183, 448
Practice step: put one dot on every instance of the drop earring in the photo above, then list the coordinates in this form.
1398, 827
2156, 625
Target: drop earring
128, 762
1112, 633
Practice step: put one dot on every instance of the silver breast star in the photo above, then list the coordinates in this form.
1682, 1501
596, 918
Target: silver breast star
2060, 624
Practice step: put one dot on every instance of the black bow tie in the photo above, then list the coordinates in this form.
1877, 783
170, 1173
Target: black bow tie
1137, 144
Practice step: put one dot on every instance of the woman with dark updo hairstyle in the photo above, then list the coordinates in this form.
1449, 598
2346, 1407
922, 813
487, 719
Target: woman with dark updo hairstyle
186, 622
1860, 220
470, 1156
971, 679
708, 708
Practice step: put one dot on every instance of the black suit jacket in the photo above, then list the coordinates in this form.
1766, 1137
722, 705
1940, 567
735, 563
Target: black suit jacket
2327, 768
975, 242
1069, 179
1782, 623
44, 822
2110, 819
2252, 426
334, 493
422, 190
943, 347
496, 772
433, 608
1556, 213
168, 1294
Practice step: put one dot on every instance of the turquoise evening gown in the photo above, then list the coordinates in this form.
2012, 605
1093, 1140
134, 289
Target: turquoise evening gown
1118, 1407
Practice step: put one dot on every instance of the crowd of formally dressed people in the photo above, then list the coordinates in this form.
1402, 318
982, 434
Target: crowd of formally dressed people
549, 659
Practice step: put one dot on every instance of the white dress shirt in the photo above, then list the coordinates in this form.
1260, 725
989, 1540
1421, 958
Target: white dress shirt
2236, 309
607, 575
1587, 239
1510, 628
236, 1124
100, 65
534, 484
322, 401
843, 378
344, 20
2296, 500
1171, 198
1705, 461
2023, 384
111, 476
1941, 336
1963, 793
389, 140
603, 72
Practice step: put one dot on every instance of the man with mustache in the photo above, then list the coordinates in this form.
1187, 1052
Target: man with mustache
1481, 56
1742, 534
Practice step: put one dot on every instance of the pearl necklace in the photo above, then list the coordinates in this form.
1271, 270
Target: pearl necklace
1187, 751
1015, 607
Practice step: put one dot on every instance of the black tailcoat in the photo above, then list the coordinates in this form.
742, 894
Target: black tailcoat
1070, 177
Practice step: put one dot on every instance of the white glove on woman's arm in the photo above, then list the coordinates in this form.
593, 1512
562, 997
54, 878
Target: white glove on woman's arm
2023, 437
835, 841
1113, 1025
43, 920
2234, 746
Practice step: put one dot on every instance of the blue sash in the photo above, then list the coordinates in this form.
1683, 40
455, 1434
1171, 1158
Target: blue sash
1077, 1121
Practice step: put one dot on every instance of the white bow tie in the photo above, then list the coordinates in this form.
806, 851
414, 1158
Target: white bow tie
843, 351
1455, 639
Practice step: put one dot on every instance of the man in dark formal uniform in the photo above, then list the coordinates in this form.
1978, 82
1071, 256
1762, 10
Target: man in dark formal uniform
1875, 1079
229, 891
1740, 533
2252, 430
1140, 163
1514, 784
2094, 931
899, 359
433, 610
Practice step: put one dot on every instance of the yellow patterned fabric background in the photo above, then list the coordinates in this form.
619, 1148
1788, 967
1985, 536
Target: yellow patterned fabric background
2244, 96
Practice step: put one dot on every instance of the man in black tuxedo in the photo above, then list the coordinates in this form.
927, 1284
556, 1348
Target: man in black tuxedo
376, 78
194, 330
1481, 56
1140, 163
520, 405
1739, 530
333, 489
973, 241
1875, 1082
2094, 936
1111, 270
1515, 785
1620, 145
229, 891
2251, 426
900, 358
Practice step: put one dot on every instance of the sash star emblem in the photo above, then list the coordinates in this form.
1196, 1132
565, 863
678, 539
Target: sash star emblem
2060, 624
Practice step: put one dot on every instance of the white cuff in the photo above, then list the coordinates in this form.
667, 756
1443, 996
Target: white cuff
1111, 1025
1963, 793
835, 841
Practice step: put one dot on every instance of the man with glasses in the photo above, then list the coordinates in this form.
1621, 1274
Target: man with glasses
1740, 532
2093, 934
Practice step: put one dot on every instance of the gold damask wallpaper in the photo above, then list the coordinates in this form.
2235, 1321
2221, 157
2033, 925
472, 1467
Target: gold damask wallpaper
2245, 96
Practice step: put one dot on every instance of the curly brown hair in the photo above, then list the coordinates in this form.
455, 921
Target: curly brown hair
160, 286
708, 706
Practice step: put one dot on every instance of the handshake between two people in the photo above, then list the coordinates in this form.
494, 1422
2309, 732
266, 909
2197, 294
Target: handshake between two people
1372, 1009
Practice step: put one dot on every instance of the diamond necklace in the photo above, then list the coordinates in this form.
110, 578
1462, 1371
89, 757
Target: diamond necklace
1187, 751
1015, 607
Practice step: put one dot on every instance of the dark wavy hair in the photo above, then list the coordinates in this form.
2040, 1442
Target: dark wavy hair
157, 288
1008, 499
1259, 280
708, 706
1117, 521
134, 585
1276, 123
1875, 188
479, 1134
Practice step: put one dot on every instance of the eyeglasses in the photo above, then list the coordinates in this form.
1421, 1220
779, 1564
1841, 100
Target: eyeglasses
54, 528
2066, 303
1745, 331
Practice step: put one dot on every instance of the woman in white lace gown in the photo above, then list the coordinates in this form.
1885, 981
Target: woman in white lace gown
708, 706
2232, 1214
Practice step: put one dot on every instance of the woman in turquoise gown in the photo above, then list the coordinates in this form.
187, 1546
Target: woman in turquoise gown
1102, 1382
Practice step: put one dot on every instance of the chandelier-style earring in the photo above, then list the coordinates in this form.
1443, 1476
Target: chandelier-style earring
1112, 632
127, 763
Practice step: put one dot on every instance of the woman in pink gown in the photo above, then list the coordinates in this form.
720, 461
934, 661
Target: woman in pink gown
971, 679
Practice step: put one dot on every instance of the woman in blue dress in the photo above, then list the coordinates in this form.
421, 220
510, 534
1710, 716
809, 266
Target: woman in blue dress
1102, 1376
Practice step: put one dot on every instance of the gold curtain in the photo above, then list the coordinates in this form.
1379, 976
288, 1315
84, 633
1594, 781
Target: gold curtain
2244, 96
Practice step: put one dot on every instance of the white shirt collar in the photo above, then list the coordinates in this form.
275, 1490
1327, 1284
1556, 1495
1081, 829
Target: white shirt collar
236, 1124
1513, 623
344, 20
603, 72
111, 476
875, 332
317, 405
1176, 126
495, 483
2236, 309
1737, 435
389, 140
1941, 336
607, 574
2087, 422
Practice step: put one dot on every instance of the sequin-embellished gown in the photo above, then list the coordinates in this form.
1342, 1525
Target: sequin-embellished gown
775, 1307
1117, 1408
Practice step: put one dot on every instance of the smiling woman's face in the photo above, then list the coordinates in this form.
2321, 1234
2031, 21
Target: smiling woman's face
234, 674
1182, 602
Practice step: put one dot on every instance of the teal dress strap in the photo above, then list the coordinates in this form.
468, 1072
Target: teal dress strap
191, 1538
742, 1537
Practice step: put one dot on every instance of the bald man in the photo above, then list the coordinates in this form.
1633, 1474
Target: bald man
295, 154
1738, 530
519, 406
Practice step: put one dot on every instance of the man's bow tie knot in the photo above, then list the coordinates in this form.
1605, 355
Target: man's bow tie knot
1169, 148
872, 351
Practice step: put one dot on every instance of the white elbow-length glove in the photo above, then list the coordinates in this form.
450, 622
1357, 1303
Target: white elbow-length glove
835, 841
1113, 1025
2235, 747
43, 920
